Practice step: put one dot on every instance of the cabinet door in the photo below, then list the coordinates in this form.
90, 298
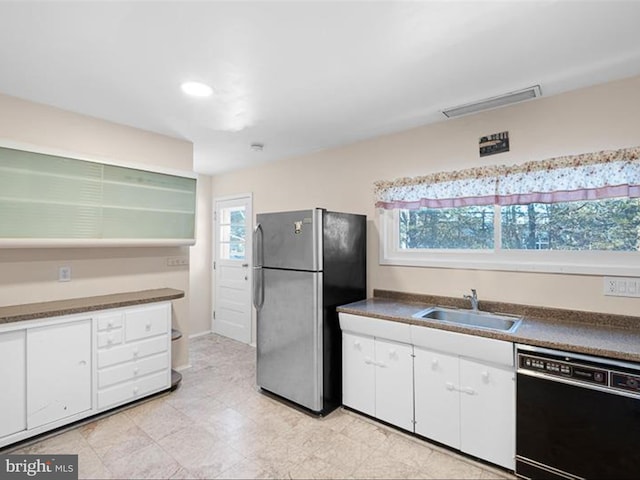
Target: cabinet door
13, 417
487, 412
394, 383
358, 373
58, 371
437, 398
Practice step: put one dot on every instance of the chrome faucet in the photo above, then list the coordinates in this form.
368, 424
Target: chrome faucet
473, 298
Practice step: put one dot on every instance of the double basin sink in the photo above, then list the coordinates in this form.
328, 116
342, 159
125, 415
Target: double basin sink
471, 318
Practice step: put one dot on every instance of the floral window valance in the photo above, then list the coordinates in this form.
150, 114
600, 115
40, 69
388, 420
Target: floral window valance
591, 176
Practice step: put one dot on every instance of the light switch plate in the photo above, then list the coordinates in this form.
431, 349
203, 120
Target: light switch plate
621, 286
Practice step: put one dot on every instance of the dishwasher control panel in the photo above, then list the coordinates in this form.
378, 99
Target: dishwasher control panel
621, 377
566, 369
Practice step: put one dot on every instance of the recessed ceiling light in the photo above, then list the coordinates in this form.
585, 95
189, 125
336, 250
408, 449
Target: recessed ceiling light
196, 89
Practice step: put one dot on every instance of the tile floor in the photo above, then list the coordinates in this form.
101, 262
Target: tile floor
218, 425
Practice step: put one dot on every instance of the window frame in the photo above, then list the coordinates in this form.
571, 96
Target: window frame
540, 261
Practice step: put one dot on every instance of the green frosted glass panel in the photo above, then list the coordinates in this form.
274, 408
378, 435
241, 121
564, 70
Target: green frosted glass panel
25, 185
46, 196
46, 220
147, 179
40, 163
134, 196
125, 223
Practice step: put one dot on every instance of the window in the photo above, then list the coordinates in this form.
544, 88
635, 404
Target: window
233, 235
573, 215
601, 225
447, 228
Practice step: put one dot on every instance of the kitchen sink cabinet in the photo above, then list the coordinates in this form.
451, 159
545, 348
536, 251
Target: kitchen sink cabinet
58, 371
454, 388
487, 412
13, 414
378, 378
466, 404
437, 402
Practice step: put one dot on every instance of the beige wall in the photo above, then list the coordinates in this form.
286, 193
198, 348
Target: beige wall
30, 275
597, 118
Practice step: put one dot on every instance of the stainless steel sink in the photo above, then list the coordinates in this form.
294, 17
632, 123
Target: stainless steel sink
472, 318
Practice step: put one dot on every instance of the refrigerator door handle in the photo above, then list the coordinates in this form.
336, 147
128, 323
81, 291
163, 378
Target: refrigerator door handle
258, 283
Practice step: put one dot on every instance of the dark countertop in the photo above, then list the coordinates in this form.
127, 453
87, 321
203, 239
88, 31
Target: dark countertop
33, 311
591, 333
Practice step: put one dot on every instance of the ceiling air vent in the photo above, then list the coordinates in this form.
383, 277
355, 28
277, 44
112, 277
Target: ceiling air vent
493, 102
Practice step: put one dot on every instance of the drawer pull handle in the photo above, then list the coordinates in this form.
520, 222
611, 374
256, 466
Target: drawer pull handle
135, 352
485, 376
109, 324
135, 390
434, 363
109, 341
83, 363
147, 327
135, 371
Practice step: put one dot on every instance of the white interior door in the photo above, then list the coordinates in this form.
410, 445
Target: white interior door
232, 267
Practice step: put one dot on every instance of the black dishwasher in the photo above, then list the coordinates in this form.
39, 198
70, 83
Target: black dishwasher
577, 416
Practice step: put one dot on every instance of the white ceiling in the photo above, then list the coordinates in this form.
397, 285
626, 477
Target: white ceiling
301, 76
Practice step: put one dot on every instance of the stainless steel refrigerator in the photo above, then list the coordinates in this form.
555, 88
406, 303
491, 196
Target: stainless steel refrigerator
306, 263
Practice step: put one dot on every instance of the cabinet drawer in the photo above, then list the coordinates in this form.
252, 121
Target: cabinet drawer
109, 338
110, 320
125, 353
147, 322
133, 390
132, 370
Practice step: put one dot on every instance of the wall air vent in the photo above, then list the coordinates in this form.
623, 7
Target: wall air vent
493, 102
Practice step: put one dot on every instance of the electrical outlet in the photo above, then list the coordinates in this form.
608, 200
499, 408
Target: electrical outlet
64, 273
622, 286
178, 261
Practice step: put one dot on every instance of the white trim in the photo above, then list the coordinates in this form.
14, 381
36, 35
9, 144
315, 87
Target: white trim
200, 334
182, 367
564, 262
28, 147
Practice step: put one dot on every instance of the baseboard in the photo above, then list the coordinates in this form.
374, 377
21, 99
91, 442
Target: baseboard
200, 334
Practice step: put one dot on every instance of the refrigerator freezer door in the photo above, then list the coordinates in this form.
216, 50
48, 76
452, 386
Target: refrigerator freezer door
291, 240
289, 337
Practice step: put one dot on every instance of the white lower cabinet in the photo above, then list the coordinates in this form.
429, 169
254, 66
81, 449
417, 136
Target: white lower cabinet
437, 407
487, 412
454, 388
378, 378
358, 373
58, 371
13, 392
134, 355
466, 404
394, 383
